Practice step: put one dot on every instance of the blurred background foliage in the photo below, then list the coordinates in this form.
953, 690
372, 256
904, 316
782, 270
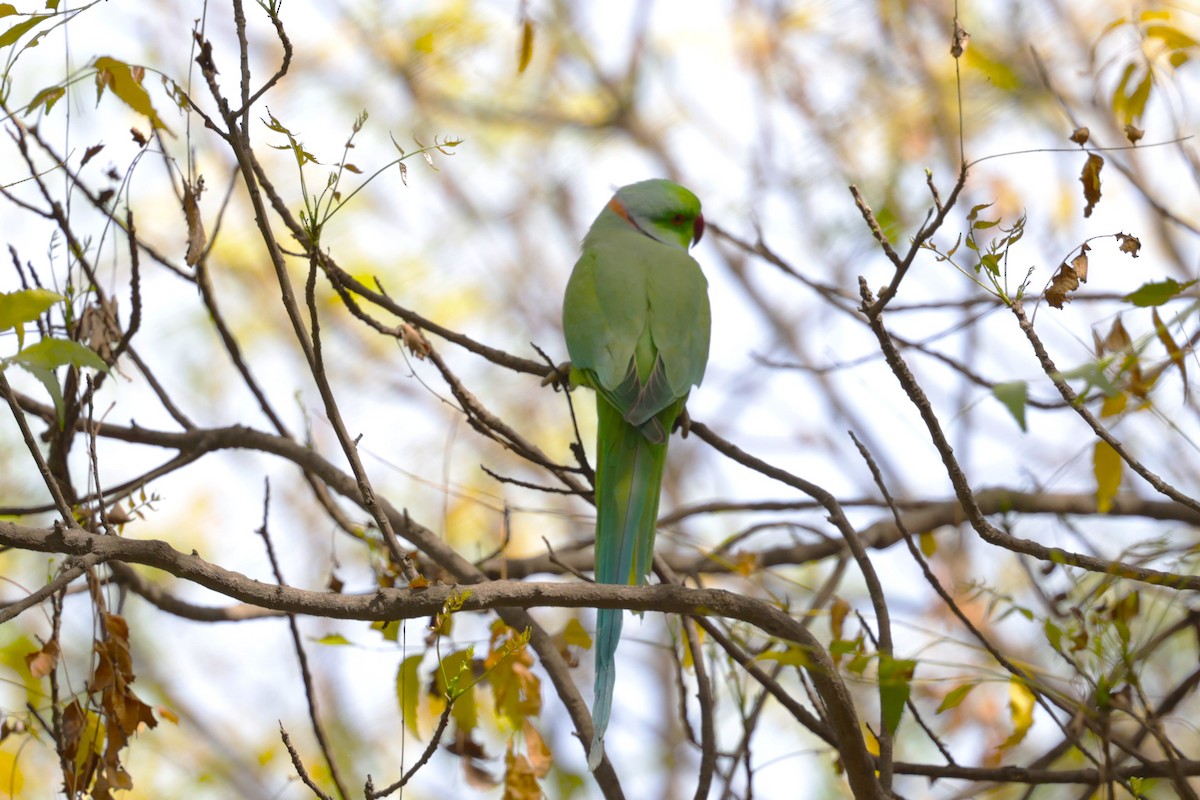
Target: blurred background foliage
768, 111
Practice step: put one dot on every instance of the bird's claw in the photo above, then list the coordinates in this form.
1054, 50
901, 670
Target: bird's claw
683, 423
559, 376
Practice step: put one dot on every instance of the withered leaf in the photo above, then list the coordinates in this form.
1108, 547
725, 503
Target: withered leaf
520, 782
42, 662
1080, 136
1062, 284
1090, 178
1133, 133
465, 746
139, 137
961, 40
1080, 263
1118, 338
191, 212
90, 153
414, 341
1174, 351
538, 752
1129, 244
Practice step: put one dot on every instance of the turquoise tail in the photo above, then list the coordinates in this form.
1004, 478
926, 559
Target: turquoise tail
629, 470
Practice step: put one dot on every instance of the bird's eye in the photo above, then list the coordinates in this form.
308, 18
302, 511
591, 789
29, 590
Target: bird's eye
678, 219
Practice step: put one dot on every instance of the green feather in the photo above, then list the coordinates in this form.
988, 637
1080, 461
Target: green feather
636, 320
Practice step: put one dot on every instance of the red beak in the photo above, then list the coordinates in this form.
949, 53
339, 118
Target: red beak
699, 229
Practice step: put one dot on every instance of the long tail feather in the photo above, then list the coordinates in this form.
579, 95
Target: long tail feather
629, 470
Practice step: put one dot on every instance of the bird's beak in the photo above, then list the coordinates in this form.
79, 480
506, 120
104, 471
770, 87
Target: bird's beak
699, 229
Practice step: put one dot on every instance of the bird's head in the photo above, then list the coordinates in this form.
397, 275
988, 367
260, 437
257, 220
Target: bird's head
662, 210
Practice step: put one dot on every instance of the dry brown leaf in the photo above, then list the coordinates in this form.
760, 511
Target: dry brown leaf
90, 153
961, 40
520, 782
1090, 178
1118, 338
43, 662
1133, 133
537, 750
99, 328
197, 240
1080, 263
414, 341
1129, 244
1080, 136
1174, 351
1062, 284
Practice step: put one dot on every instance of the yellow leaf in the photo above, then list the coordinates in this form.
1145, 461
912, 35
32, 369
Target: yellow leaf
575, 634
408, 692
424, 43
11, 777
869, 739
1114, 405
793, 656
928, 543
1107, 466
1020, 705
125, 83
1174, 351
746, 563
526, 51
688, 658
837, 616
455, 678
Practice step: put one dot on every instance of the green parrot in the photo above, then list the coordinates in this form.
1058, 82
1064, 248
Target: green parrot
637, 322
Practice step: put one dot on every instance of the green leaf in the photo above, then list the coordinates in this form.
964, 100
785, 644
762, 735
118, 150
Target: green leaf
53, 353
7, 9
408, 691
14, 33
50, 381
955, 696
119, 76
1155, 294
1014, 395
973, 214
1054, 634
990, 262
17, 308
895, 686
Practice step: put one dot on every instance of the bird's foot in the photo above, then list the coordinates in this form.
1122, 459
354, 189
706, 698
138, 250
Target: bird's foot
683, 423
559, 376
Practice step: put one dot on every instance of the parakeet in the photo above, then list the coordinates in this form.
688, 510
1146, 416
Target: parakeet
637, 321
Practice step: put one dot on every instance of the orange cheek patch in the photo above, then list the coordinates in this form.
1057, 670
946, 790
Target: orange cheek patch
615, 206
